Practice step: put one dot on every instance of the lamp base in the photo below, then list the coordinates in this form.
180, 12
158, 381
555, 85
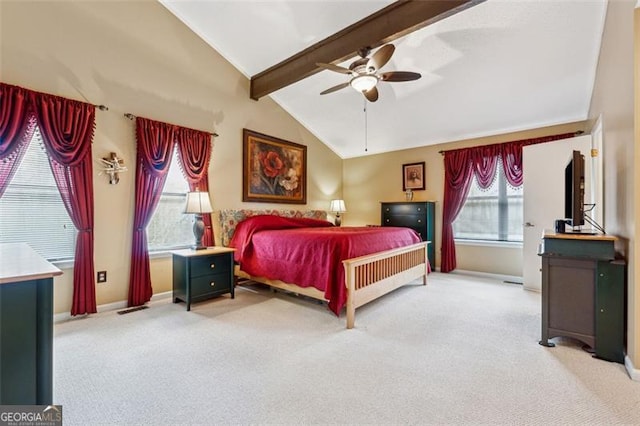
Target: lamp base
198, 232
338, 220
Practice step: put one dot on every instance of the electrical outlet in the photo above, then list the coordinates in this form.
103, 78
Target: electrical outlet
102, 276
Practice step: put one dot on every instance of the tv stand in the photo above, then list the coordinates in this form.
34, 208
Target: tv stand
583, 292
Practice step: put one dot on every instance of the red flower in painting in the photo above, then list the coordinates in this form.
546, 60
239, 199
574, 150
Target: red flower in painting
272, 164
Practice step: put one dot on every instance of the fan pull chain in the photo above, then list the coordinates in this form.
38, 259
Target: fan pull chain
365, 126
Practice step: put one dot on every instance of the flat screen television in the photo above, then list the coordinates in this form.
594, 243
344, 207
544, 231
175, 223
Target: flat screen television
574, 190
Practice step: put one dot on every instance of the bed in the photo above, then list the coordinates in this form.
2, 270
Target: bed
303, 253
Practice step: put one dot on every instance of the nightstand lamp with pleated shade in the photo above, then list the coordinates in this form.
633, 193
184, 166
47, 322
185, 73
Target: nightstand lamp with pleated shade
337, 207
197, 204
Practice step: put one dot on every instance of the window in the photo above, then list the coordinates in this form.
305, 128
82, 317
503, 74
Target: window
492, 214
32, 211
169, 227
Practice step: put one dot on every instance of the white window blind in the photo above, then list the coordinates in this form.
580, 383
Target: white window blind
492, 214
31, 209
169, 227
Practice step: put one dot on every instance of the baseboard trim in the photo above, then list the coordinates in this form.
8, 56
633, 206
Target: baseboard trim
633, 372
511, 279
113, 306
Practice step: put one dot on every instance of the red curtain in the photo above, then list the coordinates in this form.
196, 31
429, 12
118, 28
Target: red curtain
194, 151
17, 124
459, 168
67, 132
154, 150
457, 181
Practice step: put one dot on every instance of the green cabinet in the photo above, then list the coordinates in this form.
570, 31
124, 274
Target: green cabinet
202, 274
417, 215
26, 326
583, 293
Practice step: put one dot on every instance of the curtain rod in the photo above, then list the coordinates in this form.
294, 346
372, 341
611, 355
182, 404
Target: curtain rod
577, 133
131, 117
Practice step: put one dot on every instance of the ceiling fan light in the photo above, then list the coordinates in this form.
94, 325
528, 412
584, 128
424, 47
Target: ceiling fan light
363, 83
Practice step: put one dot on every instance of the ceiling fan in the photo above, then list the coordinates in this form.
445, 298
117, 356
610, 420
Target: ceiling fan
364, 72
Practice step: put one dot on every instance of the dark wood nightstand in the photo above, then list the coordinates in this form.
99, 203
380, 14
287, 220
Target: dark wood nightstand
202, 274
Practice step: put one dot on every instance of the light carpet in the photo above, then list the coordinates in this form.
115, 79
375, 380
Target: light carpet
461, 350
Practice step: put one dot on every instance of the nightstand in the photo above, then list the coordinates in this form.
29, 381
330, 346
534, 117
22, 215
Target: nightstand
202, 274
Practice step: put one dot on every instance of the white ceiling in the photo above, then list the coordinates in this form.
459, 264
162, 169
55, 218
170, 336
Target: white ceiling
500, 66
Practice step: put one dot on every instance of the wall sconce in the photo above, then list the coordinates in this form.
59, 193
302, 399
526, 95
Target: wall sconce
197, 204
113, 165
337, 206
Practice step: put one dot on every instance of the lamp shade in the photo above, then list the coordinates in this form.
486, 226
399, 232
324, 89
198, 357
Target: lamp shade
198, 203
338, 206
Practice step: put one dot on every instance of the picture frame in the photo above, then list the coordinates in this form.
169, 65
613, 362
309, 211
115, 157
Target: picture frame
273, 170
413, 176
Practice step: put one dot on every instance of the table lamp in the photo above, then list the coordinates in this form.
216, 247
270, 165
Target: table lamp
197, 204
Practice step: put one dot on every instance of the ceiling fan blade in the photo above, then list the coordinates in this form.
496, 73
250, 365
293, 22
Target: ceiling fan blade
371, 94
393, 76
334, 88
381, 56
336, 68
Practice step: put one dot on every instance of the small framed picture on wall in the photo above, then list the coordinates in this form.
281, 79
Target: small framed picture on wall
413, 176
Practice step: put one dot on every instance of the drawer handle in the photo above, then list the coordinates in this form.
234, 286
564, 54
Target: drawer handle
387, 221
212, 284
213, 265
419, 220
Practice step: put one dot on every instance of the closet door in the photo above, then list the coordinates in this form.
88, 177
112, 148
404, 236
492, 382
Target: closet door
543, 173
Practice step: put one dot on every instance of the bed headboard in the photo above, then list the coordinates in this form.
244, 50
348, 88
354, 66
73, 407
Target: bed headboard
229, 219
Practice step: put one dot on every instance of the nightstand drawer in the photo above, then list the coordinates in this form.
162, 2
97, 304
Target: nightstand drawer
207, 265
205, 285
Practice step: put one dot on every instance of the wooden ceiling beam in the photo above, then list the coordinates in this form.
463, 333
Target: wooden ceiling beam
388, 24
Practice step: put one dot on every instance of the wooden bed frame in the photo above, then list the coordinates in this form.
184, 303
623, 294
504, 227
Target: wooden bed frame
366, 277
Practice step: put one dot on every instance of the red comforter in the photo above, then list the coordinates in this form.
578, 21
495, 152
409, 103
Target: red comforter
309, 252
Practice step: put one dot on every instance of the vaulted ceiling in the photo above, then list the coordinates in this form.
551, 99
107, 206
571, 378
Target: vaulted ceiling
498, 66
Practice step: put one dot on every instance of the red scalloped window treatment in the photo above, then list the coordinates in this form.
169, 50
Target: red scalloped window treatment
461, 165
155, 142
67, 132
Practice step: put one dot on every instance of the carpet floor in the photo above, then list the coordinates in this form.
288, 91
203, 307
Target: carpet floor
461, 350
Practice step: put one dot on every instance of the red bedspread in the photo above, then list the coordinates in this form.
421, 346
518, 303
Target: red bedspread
309, 252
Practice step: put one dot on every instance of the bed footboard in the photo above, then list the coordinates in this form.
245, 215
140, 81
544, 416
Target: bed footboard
369, 277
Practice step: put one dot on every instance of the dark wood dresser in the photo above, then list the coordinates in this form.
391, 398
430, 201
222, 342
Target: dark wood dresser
417, 215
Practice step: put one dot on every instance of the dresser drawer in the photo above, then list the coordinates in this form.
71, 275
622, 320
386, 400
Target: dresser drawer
404, 208
207, 265
206, 285
410, 221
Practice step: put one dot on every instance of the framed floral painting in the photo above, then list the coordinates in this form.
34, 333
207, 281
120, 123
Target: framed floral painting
273, 170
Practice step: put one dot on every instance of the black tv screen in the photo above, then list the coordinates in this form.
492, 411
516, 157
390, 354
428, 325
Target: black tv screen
574, 190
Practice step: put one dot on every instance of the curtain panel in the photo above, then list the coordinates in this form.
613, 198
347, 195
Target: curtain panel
67, 133
194, 152
154, 144
461, 165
